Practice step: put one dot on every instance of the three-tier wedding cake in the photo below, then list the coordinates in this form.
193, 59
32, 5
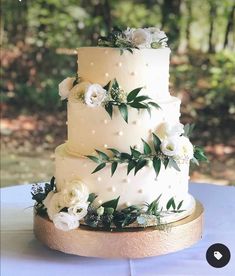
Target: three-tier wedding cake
125, 164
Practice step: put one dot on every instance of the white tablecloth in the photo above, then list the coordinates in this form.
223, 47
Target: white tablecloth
22, 254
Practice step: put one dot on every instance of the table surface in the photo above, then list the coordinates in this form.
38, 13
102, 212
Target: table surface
22, 254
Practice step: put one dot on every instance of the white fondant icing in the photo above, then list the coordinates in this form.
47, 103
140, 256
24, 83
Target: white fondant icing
144, 180
155, 76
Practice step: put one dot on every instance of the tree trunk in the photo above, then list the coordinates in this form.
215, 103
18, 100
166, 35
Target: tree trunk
229, 26
171, 20
188, 23
212, 13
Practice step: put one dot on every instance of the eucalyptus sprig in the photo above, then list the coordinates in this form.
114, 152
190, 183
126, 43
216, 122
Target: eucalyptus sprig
117, 97
117, 39
135, 160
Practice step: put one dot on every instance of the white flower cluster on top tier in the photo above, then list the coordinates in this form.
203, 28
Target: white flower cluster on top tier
74, 197
146, 37
174, 144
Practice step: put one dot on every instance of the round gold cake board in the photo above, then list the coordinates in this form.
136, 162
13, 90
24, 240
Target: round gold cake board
130, 244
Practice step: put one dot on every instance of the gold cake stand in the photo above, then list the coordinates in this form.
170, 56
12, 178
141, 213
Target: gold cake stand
129, 244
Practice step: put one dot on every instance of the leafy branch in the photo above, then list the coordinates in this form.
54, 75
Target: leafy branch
117, 39
135, 160
107, 216
118, 98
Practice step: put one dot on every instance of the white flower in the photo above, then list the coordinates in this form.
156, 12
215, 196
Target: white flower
185, 152
166, 130
100, 211
94, 95
79, 210
65, 221
128, 33
65, 86
170, 146
77, 92
54, 204
48, 198
75, 192
173, 129
141, 38
157, 34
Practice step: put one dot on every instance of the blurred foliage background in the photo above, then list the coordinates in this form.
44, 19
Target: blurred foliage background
38, 41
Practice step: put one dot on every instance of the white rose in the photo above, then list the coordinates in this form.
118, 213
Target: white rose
141, 38
48, 198
79, 210
75, 192
185, 149
65, 221
166, 130
94, 95
128, 33
170, 146
64, 87
79, 89
173, 130
54, 205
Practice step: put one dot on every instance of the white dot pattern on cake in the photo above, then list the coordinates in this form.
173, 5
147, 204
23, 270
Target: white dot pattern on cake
91, 128
141, 188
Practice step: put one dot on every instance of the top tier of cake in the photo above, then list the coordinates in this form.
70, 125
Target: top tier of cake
147, 68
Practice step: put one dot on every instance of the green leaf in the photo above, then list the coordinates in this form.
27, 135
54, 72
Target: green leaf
106, 87
180, 204
149, 111
111, 203
141, 98
166, 162
154, 104
135, 153
156, 142
172, 163
140, 164
194, 161
171, 203
52, 183
132, 95
153, 207
130, 166
115, 85
147, 149
102, 155
124, 156
138, 105
199, 154
188, 129
114, 151
109, 108
93, 158
124, 112
156, 164
99, 167
92, 197
114, 167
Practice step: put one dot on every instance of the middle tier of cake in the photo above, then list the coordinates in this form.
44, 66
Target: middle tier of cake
91, 128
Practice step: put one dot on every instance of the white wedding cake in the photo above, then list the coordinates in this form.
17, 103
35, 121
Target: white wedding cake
126, 161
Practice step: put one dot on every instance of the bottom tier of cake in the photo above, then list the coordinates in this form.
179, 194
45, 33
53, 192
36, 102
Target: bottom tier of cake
133, 189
